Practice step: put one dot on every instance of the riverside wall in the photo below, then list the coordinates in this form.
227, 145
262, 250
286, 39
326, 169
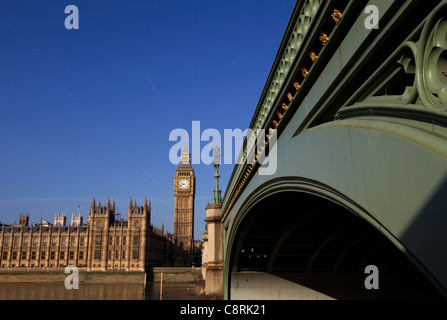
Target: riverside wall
173, 275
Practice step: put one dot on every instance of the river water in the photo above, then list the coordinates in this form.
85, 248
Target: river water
97, 291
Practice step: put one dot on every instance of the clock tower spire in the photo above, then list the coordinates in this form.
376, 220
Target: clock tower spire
184, 193
185, 157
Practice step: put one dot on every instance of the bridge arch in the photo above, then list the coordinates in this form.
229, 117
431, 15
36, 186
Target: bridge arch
296, 238
360, 131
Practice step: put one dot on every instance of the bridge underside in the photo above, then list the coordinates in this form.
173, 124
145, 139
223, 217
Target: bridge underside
294, 245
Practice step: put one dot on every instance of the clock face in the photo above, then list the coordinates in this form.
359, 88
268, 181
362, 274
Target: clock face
183, 184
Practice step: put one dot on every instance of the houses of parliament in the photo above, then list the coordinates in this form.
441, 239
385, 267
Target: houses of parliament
105, 242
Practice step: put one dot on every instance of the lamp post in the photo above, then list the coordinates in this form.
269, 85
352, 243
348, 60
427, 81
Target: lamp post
214, 274
217, 193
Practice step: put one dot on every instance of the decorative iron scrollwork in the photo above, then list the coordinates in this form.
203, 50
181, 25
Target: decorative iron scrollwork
431, 65
414, 76
407, 62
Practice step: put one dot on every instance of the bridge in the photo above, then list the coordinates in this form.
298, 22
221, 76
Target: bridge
355, 114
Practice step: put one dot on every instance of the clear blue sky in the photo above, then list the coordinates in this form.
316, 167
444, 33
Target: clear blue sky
88, 112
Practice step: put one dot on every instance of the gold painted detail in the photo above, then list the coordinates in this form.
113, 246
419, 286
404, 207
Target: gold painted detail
336, 15
313, 56
324, 38
304, 72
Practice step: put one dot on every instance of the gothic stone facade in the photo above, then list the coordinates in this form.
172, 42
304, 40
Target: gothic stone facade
103, 243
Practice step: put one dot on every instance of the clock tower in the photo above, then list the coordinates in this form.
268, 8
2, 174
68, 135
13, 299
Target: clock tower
184, 192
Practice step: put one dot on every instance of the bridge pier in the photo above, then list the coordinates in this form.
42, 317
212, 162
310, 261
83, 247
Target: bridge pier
214, 270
